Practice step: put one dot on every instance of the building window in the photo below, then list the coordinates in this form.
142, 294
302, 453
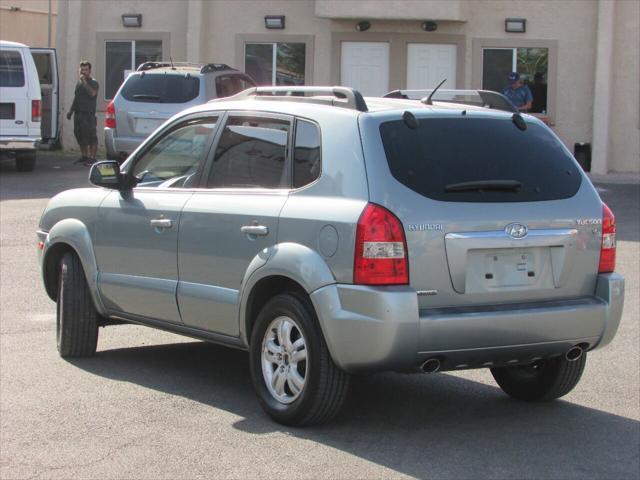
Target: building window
531, 63
123, 57
275, 63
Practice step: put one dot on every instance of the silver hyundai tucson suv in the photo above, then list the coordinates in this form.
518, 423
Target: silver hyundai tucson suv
329, 234
158, 90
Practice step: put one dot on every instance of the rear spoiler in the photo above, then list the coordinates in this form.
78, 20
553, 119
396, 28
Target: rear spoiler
478, 98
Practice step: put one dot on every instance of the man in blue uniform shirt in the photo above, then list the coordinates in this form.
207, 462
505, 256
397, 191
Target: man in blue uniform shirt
517, 93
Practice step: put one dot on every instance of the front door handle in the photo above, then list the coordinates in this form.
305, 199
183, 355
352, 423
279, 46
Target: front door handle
161, 223
255, 230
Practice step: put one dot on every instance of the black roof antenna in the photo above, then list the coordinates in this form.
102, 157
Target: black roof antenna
428, 100
171, 60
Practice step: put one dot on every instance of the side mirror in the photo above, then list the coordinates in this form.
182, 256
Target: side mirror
107, 174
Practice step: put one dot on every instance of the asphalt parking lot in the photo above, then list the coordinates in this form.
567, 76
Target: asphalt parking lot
155, 405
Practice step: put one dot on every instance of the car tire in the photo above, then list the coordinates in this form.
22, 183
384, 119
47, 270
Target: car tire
76, 316
542, 381
26, 162
324, 385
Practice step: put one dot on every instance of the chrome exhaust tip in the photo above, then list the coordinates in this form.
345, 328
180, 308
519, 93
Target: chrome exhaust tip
431, 365
574, 354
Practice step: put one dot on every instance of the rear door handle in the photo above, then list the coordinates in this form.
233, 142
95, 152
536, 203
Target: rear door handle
161, 223
255, 230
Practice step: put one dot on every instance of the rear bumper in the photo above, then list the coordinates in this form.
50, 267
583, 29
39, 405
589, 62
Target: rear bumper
118, 145
375, 329
19, 143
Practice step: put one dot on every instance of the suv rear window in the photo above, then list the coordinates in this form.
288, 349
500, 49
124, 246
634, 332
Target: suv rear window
438, 158
11, 70
161, 88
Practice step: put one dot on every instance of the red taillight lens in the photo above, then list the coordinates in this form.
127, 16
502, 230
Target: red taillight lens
36, 110
608, 247
110, 116
381, 249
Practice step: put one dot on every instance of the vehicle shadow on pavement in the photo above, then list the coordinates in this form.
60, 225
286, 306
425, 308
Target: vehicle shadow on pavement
425, 426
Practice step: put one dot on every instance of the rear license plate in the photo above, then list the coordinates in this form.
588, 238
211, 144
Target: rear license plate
147, 125
508, 269
488, 270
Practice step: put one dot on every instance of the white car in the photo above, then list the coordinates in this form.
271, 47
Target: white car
20, 105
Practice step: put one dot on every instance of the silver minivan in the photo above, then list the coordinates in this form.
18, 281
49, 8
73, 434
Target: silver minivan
157, 91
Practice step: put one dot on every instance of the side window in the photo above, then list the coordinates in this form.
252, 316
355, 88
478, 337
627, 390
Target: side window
174, 160
227, 85
251, 154
11, 71
306, 154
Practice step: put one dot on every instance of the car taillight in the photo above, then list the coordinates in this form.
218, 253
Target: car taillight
110, 116
381, 249
36, 110
608, 246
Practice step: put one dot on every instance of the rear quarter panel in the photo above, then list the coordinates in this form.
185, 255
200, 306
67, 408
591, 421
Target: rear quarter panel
324, 214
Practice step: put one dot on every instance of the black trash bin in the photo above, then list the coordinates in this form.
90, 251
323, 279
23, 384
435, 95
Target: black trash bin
582, 152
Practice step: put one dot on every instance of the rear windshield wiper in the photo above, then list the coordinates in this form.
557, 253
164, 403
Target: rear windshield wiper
493, 185
146, 96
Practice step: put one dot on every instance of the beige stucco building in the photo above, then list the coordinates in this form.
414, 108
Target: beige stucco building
580, 57
27, 21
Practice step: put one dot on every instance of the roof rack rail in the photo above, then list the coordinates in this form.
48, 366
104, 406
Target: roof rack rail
204, 67
479, 98
345, 97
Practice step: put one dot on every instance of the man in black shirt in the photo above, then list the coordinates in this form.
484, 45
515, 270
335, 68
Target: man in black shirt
84, 108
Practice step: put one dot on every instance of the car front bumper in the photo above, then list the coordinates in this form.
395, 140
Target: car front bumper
370, 329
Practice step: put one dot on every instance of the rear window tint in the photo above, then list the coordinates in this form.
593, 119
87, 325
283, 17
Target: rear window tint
161, 88
11, 69
306, 154
446, 152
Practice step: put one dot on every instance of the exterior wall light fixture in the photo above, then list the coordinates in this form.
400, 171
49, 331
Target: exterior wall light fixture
515, 25
429, 26
363, 26
131, 19
274, 22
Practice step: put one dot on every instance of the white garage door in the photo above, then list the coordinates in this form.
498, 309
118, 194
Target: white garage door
429, 63
365, 67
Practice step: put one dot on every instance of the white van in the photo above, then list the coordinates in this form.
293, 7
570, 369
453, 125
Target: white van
20, 105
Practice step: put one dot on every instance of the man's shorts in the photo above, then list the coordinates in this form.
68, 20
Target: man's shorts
84, 128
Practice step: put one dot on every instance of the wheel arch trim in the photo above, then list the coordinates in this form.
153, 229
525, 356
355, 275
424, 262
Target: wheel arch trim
70, 234
285, 261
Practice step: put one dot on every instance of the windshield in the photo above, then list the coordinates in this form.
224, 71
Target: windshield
467, 159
